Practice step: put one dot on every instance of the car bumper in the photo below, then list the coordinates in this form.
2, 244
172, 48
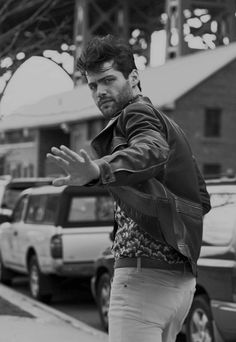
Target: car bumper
224, 315
75, 269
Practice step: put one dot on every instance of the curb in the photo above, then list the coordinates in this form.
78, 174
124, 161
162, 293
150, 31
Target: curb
45, 313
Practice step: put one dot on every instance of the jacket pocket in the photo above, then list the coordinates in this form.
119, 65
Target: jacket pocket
187, 207
188, 227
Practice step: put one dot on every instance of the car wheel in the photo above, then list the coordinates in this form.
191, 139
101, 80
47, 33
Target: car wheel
5, 274
199, 327
103, 298
40, 284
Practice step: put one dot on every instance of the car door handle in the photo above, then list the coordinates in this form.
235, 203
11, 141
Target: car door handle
15, 233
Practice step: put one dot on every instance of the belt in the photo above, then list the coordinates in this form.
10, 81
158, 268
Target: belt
143, 262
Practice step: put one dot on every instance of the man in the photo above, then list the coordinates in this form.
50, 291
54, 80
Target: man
144, 160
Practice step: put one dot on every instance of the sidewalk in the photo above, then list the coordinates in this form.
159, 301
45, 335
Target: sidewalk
23, 319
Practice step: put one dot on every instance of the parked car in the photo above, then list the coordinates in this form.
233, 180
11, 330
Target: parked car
55, 232
213, 313
10, 189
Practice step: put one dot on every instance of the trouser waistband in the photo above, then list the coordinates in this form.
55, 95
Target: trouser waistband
143, 262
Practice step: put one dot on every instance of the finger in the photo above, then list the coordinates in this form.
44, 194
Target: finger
59, 161
56, 151
51, 157
85, 155
71, 153
61, 181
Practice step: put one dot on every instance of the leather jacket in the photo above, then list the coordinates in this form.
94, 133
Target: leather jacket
148, 167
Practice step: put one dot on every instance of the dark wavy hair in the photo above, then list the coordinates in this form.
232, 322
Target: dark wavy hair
103, 49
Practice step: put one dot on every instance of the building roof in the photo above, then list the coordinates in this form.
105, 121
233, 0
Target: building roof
164, 85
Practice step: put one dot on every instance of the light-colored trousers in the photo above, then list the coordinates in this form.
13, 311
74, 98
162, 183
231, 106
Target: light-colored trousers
149, 305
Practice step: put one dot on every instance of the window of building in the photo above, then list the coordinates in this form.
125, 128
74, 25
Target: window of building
17, 136
212, 126
211, 170
31, 170
14, 136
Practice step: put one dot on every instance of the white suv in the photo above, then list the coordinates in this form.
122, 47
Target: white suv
55, 231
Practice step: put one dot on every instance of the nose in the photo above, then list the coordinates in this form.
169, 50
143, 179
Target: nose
101, 91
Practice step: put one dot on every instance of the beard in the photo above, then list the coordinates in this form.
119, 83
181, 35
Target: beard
109, 105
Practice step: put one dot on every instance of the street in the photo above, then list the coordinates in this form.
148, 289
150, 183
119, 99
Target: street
73, 299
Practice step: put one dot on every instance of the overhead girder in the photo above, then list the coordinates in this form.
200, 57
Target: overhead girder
118, 17
222, 13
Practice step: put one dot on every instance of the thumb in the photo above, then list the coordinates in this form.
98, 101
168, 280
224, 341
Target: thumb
61, 181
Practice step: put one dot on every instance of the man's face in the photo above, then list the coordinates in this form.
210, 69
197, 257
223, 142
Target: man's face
110, 89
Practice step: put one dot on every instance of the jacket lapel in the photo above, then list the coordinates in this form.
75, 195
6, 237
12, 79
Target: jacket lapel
103, 141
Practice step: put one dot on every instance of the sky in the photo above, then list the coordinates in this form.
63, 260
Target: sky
36, 78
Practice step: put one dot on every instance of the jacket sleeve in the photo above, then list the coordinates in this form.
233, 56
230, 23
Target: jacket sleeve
144, 152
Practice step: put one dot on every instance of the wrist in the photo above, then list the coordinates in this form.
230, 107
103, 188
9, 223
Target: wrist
97, 172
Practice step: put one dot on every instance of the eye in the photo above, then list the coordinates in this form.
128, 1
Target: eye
107, 81
93, 87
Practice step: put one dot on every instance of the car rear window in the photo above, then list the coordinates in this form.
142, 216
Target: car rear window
90, 210
42, 209
10, 198
220, 223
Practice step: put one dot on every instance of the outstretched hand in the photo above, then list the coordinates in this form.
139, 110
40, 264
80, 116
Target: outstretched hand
80, 168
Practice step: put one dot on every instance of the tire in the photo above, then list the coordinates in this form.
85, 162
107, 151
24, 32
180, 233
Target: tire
6, 275
199, 326
103, 298
40, 285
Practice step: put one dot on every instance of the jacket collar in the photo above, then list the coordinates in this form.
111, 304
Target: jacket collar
113, 120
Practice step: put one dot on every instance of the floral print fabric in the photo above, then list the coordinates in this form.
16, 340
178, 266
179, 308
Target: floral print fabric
133, 241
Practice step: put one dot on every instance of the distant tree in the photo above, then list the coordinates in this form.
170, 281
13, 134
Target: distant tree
29, 27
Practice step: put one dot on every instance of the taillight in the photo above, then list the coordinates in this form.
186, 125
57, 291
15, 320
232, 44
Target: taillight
56, 247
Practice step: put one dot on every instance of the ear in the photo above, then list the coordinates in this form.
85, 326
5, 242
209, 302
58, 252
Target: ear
134, 78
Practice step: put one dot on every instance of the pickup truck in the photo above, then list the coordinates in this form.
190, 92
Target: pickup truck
55, 232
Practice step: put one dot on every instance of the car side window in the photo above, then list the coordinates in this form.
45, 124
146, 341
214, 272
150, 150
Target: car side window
93, 210
19, 210
42, 209
51, 209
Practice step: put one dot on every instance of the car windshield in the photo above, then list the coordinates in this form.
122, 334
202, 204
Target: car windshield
220, 222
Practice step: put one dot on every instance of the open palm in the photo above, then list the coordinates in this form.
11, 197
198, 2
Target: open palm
80, 169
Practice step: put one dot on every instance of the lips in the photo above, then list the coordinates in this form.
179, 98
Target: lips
103, 102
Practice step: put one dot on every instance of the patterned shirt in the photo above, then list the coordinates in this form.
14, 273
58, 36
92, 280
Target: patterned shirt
132, 241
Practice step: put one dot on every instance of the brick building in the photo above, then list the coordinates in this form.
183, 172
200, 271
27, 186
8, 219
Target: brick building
197, 90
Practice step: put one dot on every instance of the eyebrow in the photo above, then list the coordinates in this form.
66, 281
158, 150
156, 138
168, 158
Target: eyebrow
101, 80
